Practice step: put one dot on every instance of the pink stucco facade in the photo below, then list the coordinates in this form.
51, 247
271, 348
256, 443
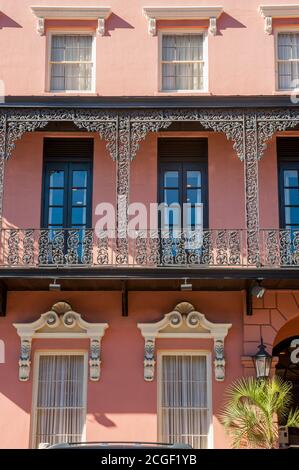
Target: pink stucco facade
121, 405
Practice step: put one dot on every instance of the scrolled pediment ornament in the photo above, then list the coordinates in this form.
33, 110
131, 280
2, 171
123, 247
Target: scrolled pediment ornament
184, 322
60, 322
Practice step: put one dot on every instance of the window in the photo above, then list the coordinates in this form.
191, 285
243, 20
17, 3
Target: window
67, 183
288, 60
288, 158
60, 398
71, 63
67, 201
183, 62
183, 180
184, 399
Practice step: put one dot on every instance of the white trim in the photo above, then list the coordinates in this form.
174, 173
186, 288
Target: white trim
277, 11
277, 31
153, 14
175, 31
64, 352
60, 316
185, 352
63, 32
195, 325
43, 13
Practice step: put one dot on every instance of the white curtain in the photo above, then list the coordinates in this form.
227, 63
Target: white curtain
77, 74
288, 61
182, 62
60, 408
185, 413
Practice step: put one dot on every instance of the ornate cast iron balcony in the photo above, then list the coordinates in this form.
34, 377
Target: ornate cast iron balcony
208, 248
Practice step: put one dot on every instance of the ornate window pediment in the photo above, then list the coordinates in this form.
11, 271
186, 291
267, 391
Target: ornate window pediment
60, 322
277, 11
71, 13
184, 322
182, 13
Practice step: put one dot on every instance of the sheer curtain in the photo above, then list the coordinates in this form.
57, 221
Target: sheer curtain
182, 62
71, 63
288, 61
60, 407
185, 413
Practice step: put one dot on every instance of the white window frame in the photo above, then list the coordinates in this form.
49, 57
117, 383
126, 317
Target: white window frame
185, 352
57, 352
181, 32
277, 31
58, 32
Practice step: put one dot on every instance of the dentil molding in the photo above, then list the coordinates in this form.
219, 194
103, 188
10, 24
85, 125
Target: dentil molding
43, 13
182, 13
277, 11
60, 322
184, 322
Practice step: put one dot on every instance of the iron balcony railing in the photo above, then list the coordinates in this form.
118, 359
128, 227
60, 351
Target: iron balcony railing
161, 248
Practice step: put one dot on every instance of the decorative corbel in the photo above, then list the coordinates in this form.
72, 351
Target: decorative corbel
40, 26
213, 26
268, 25
219, 362
152, 26
25, 359
149, 359
94, 359
101, 26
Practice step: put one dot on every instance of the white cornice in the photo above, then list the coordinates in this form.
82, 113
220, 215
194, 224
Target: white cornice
277, 11
43, 13
182, 13
60, 322
184, 322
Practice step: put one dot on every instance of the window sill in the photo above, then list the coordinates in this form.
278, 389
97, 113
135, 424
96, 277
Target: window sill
183, 93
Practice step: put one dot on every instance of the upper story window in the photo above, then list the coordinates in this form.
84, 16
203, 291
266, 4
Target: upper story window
183, 62
71, 63
288, 60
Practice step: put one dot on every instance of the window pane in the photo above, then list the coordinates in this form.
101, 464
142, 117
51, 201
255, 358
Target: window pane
80, 178
291, 197
193, 196
78, 215
292, 215
56, 197
171, 196
171, 179
60, 413
291, 178
193, 179
181, 49
78, 197
57, 178
55, 215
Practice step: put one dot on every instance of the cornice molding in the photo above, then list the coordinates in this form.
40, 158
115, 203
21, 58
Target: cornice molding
43, 13
277, 11
184, 322
60, 322
182, 13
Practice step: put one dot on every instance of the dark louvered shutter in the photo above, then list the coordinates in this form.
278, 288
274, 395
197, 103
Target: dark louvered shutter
178, 149
288, 148
72, 149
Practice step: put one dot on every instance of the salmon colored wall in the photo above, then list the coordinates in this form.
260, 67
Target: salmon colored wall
23, 179
270, 318
121, 405
268, 184
239, 49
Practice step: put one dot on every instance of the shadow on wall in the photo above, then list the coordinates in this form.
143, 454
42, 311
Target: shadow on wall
227, 22
7, 22
116, 22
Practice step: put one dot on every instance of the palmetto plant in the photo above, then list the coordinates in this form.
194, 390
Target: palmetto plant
251, 412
